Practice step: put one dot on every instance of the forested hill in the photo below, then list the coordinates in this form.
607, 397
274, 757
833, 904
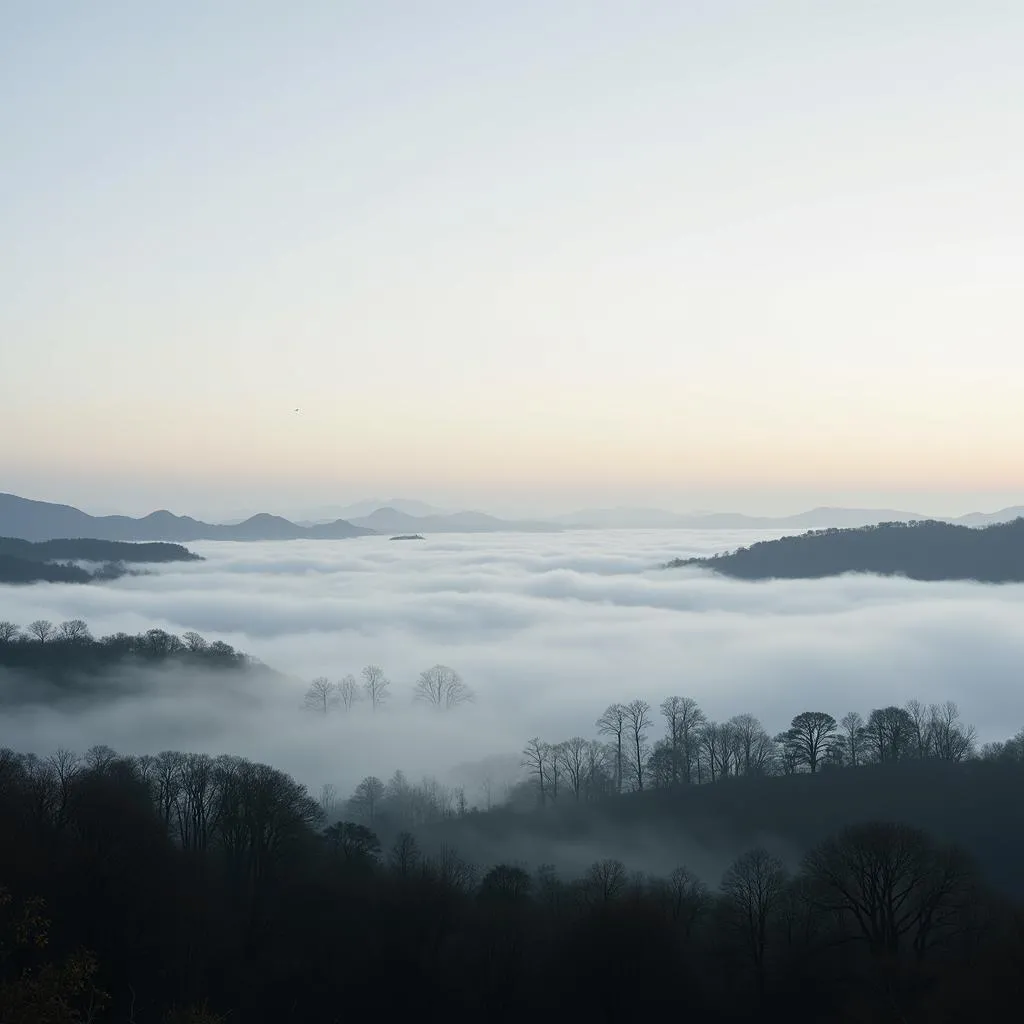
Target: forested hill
926, 550
68, 661
86, 550
52, 561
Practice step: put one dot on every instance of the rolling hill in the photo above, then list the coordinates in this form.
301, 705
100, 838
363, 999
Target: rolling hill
926, 550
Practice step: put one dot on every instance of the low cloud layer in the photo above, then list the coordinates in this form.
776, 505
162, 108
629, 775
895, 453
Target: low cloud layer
547, 629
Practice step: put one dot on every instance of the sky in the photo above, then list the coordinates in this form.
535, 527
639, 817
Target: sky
532, 256
547, 630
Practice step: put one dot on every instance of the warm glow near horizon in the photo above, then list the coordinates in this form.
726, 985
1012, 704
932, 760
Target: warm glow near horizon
559, 250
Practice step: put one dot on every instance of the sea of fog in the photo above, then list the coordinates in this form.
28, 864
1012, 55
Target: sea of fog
546, 628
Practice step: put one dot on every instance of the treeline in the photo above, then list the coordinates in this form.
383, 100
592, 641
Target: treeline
63, 651
439, 686
695, 749
187, 889
83, 549
920, 550
51, 561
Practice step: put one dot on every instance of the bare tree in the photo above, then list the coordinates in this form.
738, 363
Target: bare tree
535, 761
74, 631
748, 737
605, 880
506, 882
65, 765
321, 696
375, 685
613, 723
329, 802
599, 757
451, 870
196, 801
853, 737
950, 741
714, 746
890, 732
405, 855
753, 888
675, 711
920, 735
442, 687
99, 757
41, 629
809, 736
572, 754
348, 691
194, 642
638, 721
367, 797
9, 632
352, 842
891, 884
684, 896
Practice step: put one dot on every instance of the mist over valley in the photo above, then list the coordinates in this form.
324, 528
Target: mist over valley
547, 630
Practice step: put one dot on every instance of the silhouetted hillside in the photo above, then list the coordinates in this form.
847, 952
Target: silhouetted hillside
88, 550
973, 804
48, 662
188, 889
42, 520
28, 570
926, 550
23, 561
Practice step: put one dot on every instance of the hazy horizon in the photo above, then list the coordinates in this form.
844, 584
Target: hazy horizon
214, 506
571, 253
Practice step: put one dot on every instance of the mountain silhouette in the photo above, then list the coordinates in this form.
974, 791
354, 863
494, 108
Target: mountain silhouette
392, 520
42, 520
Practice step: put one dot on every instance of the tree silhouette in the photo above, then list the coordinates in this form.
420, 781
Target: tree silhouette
853, 738
889, 732
74, 631
41, 629
605, 880
753, 888
442, 687
367, 797
572, 757
809, 736
348, 691
321, 696
375, 686
194, 642
507, 883
891, 884
638, 721
535, 761
613, 723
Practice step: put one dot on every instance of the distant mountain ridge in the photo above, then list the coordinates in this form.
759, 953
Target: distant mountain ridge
392, 520
43, 520
40, 520
823, 517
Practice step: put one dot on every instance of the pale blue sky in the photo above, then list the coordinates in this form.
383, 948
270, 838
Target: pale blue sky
733, 253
